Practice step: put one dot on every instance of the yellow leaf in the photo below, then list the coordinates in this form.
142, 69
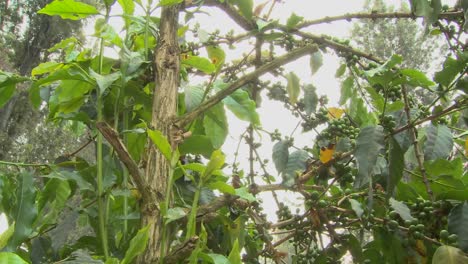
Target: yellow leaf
466, 147
326, 153
335, 112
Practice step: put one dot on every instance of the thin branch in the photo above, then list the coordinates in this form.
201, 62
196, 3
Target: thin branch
113, 138
373, 15
417, 150
218, 97
182, 251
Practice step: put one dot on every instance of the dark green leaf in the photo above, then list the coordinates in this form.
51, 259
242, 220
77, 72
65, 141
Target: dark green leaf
441, 167
215, 124
293, 87
222, 187
439, 142
341, 70
6, 92
68, 9
416, 78
297, 163
137, 245
25, 211
396, 165
458, 224
280, 155
316, 61
6, 235
449, 255
215, 163
310, 99
369, 143
244, 193
197, 144
218, 259
402, 209
245, 7
450, 70
104, 81
193, 96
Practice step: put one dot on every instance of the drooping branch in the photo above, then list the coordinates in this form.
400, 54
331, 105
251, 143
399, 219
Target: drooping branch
113, 138
218, 97
373, 15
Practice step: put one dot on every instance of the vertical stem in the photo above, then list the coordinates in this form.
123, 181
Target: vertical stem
417, 151
99, 159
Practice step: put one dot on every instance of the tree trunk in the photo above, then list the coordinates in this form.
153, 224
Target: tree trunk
167, 64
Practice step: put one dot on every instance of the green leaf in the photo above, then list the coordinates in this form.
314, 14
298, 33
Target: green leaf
6, 235
316, 61
46, 67
297, 163
200, 63
439, 142
402, 209
357, 207
197, 144
293, 20
169, 2
216, 126
458, 224
341, 70
161, 142
174, 214
245, 7
222, 187
137, 245
346, 90
104, 81
6, 92
234, 255
11, 258
369, 143
310, 99
396, 165
128, 7
293, 87
280, 155
218, 259
68, 9
416, 78
449, 255
215, 163
450, 70
244, 193
240, 104
193, 96
25, 211
217, 56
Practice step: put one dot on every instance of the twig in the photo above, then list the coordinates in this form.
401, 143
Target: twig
182, 251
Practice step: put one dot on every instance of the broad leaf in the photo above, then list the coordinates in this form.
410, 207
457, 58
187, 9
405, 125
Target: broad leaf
25, 211
451, 69
402, 209
137, 245
293, 20
68, 9
297, 163
245, 7
244, 193
222, 187
346, 90
104, 81
234, 255
218, 259
215, 163
396, 165
280, 155
357, 207
293, 87
439, 142
369, 143
46, 67
216, 126
174, 214
197, 144
169, 2
200, 63
161, 142
449, 255
242, 106
316, 61
11, 258
217, 56
458, 224
128, 7
193, 96
341, 70
310, 99
6, 235
416, 78
6, 92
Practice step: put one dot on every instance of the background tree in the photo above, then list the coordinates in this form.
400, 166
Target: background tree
152, 198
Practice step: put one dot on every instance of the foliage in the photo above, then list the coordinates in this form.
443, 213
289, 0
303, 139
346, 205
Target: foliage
384, 181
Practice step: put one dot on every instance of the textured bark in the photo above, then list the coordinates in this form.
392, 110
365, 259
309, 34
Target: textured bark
167, 64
